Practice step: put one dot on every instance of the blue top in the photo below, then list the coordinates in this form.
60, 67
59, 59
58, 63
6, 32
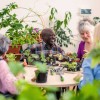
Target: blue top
89, 74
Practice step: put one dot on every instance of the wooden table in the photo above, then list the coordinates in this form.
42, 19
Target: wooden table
52, 80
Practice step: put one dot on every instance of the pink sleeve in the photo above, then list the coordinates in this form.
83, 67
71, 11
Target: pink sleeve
7, 78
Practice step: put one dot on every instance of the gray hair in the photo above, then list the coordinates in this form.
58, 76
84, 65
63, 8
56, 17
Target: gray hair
4, 44
86, 25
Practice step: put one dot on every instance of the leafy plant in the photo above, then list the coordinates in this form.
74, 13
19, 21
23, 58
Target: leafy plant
16, 67
96, 20
71, 66
10, 57
17, 30
63, 33
31, 58
93, 93
95, 55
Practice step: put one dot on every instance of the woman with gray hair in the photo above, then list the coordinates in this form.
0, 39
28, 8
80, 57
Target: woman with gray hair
86, 29
91, 73
7, 79
4, 44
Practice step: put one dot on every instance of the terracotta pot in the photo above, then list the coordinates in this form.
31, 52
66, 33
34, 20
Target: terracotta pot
14, 49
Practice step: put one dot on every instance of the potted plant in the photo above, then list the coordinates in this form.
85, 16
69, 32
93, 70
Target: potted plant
40, 63
18, 32
41, 72
72, 63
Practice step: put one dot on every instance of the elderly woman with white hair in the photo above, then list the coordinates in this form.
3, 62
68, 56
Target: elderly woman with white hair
86, 29
7, 79
91, 74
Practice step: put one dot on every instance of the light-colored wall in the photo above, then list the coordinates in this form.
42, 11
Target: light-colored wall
42, 6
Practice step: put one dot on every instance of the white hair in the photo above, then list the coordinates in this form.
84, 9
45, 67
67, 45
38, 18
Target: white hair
85, 25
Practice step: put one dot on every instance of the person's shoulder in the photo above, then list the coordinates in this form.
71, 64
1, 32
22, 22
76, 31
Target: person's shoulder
57, 46
82, 42
3, 63
86, 62
37, 45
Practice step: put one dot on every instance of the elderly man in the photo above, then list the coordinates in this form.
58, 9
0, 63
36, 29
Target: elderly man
47, 46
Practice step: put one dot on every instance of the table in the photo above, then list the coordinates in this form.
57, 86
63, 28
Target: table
52, 80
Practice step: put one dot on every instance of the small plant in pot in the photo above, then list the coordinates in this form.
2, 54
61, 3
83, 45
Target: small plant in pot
72, 62
40, 63
41, 72
30, 58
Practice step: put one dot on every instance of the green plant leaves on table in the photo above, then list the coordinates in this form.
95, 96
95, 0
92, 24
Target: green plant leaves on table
42, 67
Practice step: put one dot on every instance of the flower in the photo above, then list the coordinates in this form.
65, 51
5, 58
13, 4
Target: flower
36, 30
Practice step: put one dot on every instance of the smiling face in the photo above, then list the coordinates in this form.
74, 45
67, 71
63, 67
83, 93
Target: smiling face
48, 37
86, 36
86, 29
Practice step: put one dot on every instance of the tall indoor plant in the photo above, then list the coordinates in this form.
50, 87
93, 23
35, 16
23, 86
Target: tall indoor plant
63, 32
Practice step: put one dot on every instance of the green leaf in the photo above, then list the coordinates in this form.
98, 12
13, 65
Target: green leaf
16, 67
51, 89
95, 55
51, 96
2, 97
31, 92
42, 67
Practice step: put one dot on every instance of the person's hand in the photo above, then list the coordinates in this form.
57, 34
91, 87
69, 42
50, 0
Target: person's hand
77, 60
85, 51
68, 54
